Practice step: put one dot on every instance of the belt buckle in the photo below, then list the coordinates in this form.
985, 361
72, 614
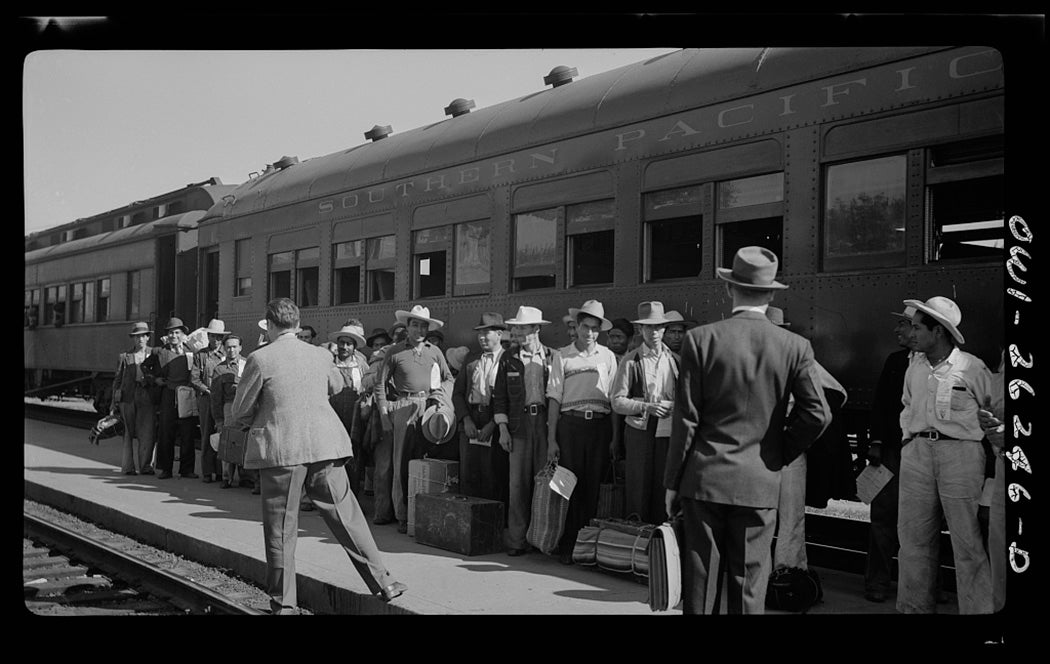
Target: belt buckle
532, 409
588, 414
933, 435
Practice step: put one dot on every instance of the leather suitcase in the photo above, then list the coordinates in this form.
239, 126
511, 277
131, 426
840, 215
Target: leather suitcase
429, 476
232, 443
464, 524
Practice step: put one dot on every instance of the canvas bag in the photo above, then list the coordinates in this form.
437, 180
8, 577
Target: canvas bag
186, 398
548, 512
614, 545
612, 497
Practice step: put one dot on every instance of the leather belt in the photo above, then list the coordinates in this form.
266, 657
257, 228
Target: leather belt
586, 414
422, 394
481, 407
535, 408
933, 434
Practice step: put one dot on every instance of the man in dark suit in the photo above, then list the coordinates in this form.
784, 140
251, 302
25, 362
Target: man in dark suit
731, 436
296, 441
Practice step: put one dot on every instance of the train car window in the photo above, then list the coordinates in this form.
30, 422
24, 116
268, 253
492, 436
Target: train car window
209, 281
281, 274
176, 207
751, 191
430, 253
379, 267
32, 308
243, 268
965, 204
307, 276
347, 260
590, 246
864, 214
76, 303
89, 302
473, 259
134, 308
766, 233
535, 249
140, 218
55, 302
102, 301
672, 240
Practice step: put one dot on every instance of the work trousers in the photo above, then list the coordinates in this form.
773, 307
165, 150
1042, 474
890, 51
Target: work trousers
882, 535
645, 457
584, 446
210, 464
528, 455
476, 462
997, 545
941, 477
383, 476
725, 540
790, 547
173, 427
405, 414
138, 423
326, 484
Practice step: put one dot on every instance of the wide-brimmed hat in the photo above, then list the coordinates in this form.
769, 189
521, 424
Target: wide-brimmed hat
456, 356
438, 423
907, 313
592, 308
216, 326
944, 311
490, 320
420, 312
527, 316
140, 328
623, 325
355, 332
175, 324
753, 267
776, 316
376, 333
651, 313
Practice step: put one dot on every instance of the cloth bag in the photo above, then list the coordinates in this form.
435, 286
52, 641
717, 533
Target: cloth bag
614, 545
612, 497
665, 566
186, 399
563, 481
197, 340
549, 510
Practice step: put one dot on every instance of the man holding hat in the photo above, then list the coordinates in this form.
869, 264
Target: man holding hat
352, 366
416, 368
579, 422
519, 409
204, 363
171, 367
942, 462
479, 464
731, 435
643, 392
131, 396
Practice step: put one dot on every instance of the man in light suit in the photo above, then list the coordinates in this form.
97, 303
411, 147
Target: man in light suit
731, 435
296, 441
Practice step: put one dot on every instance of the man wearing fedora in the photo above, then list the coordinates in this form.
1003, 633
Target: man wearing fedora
224, 381
942, 462
204, 363
472, 399
416, 368
352, 365
519, 407
677, 326
579, 423
131, 397
731, 435
171, 368
644, 392
296, 442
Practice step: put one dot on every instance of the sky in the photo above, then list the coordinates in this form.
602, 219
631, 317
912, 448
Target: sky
104, 128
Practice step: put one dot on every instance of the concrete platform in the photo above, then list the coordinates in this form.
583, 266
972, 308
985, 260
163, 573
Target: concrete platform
222, 527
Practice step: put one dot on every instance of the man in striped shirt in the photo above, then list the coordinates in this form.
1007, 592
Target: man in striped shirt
579, 422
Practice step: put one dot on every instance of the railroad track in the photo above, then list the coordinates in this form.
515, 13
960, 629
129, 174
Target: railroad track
71, 582
66, 416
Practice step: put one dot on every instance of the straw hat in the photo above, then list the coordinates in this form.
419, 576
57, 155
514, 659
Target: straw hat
944, 311
140, 328
907, 313
753, 267
527, 316
651, 313
592, 308
420, 312
216, 326
438, 423
456, 356
355, 332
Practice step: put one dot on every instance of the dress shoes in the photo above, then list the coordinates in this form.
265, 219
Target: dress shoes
189, 476
395, 589
130, 472
225, 484
517, 552
382, 522
876, 596
402, 527
163, 475
208, 479
565, 557
146, 471
256, 490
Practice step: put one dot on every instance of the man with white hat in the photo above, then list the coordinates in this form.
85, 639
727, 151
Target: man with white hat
942, 462
643, 392
171, 367
204, 363
132, 397
352, 365
731, 435
579, 422
416, 368
519, 406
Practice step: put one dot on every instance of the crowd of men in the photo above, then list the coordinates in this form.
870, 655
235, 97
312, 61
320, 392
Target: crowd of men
712, 422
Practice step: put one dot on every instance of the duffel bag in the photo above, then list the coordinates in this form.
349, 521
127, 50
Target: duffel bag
548, 512
665, 567
793, 589
613, 550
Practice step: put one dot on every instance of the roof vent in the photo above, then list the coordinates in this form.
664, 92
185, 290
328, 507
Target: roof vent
377, 133
560, 75
459, 107
285, 162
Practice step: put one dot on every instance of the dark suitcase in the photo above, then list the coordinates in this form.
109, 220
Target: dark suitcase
464, 524
232, 443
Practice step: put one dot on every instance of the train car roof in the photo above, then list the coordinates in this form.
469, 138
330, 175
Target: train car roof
658, 86
163, 226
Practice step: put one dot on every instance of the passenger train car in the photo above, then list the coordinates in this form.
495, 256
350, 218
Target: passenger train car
85, 281
875, 174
